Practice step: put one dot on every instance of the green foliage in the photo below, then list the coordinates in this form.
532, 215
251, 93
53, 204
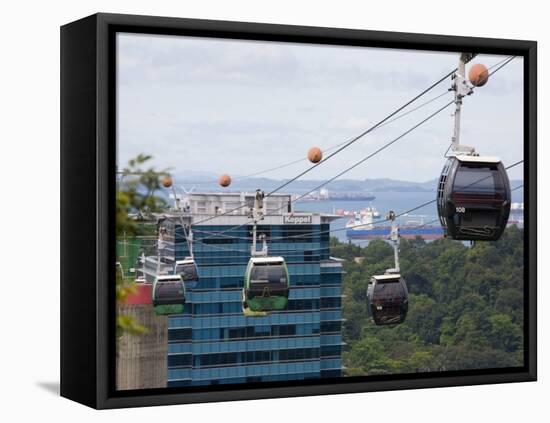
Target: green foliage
465, 306
136, 195
135, 201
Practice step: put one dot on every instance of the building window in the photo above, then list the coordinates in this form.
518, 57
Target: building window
331, 373
331, 350
248, 357
298, 233
177, 335
178, 383
331, 302
328, 327
179, 360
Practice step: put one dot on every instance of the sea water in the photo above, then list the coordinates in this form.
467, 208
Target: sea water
399, 202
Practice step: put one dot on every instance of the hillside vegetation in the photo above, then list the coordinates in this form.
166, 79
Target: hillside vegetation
465, 306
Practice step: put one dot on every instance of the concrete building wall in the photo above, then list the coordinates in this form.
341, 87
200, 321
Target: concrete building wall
142, 359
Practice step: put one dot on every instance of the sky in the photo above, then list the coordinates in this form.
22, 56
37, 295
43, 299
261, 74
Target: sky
205, 106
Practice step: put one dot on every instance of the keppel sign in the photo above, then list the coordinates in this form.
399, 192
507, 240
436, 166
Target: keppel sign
299, 219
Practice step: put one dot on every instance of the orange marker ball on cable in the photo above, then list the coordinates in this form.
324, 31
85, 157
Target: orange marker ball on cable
167, 181
478, 75
224, 180
314, 155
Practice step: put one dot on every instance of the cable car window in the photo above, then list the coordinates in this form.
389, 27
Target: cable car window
477, 178
168, 289
268, 272
388, 289
188, 272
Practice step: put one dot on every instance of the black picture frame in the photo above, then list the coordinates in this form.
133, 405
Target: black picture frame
88, 192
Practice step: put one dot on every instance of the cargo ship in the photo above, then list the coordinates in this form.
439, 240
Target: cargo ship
370, 209
349, 196
324, 195
362, 226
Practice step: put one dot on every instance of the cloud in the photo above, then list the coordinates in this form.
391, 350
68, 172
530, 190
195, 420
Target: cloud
238, 106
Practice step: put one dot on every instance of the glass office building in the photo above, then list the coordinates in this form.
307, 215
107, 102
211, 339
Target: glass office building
213, 342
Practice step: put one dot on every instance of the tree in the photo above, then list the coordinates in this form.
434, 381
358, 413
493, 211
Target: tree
504, 334
424, 318
465, 306
136, 200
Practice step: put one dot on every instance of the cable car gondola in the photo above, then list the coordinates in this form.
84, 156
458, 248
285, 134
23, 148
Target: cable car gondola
473, 195
387, 295
187, 269
168, 294
266, 285
473, 198
266, 281
387, 299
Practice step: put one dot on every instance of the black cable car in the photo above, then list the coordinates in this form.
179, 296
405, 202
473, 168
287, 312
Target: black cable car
187, 269
387, 299
168, 295
473, 198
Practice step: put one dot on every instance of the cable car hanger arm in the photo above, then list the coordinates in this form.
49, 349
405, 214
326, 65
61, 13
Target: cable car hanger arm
462, 88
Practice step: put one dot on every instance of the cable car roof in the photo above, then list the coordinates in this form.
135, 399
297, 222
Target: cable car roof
387, 277
264, 260
477, 159
168, 278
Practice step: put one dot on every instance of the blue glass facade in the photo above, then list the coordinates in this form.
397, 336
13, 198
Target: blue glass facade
214, 343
